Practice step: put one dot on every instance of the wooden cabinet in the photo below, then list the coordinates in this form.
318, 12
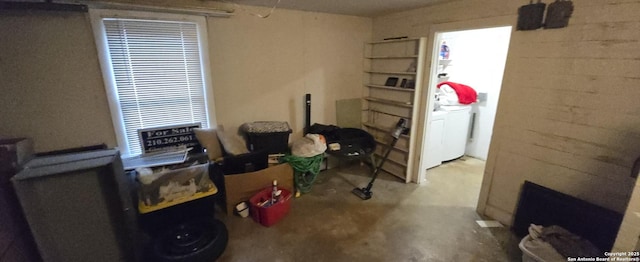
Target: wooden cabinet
392, 78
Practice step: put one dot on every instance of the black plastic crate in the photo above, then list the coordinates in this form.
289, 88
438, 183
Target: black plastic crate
270, 136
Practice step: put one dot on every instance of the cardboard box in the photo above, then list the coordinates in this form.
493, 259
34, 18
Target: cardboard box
241, 187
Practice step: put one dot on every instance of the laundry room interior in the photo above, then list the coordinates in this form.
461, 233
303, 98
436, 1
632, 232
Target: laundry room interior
456, 131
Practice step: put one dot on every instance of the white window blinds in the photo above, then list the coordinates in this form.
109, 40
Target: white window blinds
157, 73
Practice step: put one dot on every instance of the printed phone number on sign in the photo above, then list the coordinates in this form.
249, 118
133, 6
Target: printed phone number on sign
169, 140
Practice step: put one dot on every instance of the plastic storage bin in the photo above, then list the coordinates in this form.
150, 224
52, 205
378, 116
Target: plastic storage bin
538, 251
528, 256
271, 136
173, 187
268, 216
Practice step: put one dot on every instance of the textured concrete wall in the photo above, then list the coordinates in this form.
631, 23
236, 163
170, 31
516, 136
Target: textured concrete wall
568, 112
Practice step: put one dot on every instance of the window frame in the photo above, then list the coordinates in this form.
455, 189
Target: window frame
96, 17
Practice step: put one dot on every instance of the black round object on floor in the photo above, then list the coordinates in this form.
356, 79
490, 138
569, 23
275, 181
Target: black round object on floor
197, 240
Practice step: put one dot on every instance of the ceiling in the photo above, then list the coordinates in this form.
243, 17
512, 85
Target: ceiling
368, 8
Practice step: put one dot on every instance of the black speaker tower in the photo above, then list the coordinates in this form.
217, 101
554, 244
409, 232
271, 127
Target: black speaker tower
307, 120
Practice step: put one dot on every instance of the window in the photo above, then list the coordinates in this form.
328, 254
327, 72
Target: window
154, 70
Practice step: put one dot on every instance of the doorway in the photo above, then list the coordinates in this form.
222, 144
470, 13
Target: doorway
455, 133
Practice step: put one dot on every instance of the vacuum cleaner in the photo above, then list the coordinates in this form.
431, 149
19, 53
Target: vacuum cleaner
365, 192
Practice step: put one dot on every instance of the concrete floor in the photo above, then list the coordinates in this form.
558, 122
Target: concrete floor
434, 221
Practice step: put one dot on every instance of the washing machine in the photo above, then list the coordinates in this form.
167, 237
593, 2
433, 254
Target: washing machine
456, 131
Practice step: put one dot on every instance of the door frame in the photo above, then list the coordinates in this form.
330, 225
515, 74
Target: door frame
428, 92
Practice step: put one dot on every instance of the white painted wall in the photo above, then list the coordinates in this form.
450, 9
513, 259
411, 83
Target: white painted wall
50, 81
262, 68
478, 60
